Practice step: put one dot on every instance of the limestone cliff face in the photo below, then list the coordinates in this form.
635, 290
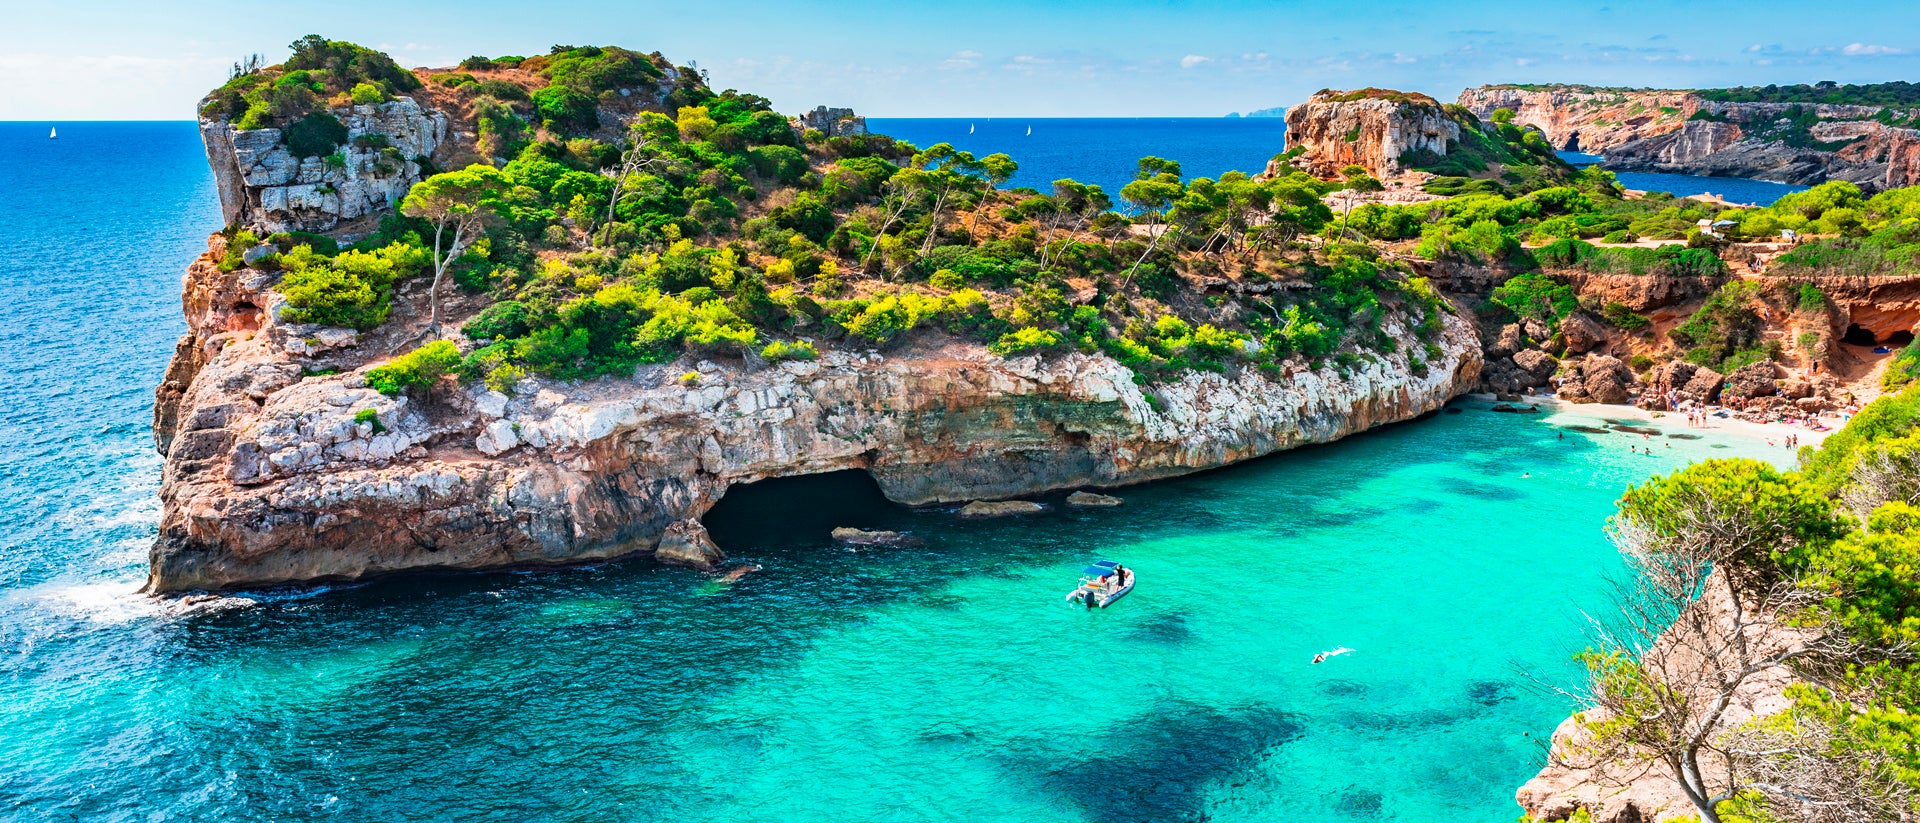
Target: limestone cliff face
1656, 130
1576, 118
1369, 128
275, 477
264, 187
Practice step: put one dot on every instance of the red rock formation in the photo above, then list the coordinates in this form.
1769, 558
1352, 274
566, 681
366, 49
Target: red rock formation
1369, 128
1579, 118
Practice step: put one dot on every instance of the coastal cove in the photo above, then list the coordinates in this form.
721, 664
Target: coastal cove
630, 689
1455, 554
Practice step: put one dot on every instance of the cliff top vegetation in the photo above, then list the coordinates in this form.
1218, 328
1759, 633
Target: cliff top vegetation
605, 237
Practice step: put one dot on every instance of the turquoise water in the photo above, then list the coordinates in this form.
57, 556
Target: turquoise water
940, 682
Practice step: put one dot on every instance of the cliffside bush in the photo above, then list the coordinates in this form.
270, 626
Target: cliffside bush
352, 290
416, 369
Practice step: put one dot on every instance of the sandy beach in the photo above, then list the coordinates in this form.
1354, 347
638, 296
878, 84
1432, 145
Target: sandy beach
1774, 433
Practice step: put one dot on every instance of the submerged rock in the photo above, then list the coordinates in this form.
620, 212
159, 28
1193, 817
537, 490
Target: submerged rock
1091, 499
861, 537
1000, 508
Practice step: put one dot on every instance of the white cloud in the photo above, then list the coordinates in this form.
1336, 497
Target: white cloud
1523, 61
961, 60
1867, 50
1192, 60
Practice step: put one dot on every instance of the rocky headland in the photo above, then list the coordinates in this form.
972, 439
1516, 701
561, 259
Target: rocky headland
278, 475
284, 465
1685, 132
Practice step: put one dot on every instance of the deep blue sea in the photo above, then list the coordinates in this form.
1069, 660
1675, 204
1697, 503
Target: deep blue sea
944, 682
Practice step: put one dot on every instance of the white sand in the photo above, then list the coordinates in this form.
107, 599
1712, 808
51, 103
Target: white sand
1774, 432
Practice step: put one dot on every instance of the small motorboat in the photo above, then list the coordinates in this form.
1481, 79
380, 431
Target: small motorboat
1101, 584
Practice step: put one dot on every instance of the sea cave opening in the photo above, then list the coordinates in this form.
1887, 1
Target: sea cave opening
1573, 142
802, 508
1858, 335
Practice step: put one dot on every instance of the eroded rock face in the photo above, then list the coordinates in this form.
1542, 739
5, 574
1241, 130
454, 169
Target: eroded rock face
264, 187
1583, 333
1370, 128
1656, 130
272, 477
1587, 120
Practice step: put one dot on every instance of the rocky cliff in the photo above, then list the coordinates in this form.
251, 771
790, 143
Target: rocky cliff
1370, 128
262, 185
1579, 118
276, 474
1684, 133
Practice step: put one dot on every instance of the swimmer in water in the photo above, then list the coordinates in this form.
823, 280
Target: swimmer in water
1320, 657
1524, 475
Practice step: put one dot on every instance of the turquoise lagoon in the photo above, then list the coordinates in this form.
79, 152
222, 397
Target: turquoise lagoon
1454, 554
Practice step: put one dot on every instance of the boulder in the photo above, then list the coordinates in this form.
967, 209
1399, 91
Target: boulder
849, 536
1794, 388
1607, 379
1510, 340
1583, 333
1753, 380
686, 544
1598, 379
1091, 499
1703, 386
1000, 508
1537, 364
1505, 408
1536, 329
1503, 377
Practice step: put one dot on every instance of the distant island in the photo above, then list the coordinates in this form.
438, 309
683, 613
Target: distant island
1276, 111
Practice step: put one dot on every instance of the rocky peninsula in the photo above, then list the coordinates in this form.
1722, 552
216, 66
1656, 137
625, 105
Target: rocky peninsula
291, 458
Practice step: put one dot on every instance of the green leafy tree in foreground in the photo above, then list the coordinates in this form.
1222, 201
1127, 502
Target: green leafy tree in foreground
460, 200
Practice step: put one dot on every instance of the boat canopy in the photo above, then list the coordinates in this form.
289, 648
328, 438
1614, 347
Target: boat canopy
1100, 568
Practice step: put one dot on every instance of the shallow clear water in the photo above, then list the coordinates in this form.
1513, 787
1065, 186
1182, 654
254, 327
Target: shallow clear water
932, 683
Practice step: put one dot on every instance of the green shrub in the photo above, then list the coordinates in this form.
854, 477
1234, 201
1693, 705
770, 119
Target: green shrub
351, 290
1025, 339
316, 135
566, 110
367, 94
237, 246
369, 416
503, 89
1538, 296
1903, 369
416, 369
782, 164
780, 350
1625, 318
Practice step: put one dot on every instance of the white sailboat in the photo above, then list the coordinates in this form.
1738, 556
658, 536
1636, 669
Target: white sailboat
1029, 131
969, 128
54, 134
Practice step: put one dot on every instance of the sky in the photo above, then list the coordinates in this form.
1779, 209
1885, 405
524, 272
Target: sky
123, 60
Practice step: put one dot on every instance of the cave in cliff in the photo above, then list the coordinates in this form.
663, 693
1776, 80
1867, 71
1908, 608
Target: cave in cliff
1858, 335
804, 508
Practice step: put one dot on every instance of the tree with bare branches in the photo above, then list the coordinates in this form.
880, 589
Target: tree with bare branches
1709, 617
